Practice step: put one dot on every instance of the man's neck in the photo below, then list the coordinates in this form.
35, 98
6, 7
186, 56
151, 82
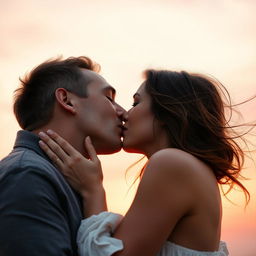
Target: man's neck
66, 132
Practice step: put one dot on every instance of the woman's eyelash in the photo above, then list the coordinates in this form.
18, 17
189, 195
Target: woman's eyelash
135, 103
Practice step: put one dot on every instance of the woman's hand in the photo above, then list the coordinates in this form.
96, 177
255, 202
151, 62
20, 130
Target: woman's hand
84, 175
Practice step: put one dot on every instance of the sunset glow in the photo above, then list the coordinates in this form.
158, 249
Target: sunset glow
126, 37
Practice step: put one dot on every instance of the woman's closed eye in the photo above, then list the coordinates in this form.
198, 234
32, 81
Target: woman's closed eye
135, 104
110, 99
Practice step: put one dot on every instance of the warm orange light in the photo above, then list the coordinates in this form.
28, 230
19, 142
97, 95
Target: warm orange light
126, 37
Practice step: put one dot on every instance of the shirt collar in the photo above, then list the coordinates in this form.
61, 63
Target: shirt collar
26, 139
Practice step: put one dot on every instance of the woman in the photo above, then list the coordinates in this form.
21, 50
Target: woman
178, 122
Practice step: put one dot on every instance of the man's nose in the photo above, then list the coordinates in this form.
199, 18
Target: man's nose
121, 112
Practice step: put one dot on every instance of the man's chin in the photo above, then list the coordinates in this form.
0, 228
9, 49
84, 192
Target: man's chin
128, 148
110, 149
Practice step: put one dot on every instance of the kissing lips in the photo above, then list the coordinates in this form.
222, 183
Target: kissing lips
123, 129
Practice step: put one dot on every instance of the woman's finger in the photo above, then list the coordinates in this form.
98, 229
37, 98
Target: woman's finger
62, 143
55, 159
53, 147
91, 150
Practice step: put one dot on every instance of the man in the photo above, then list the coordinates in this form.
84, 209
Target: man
39, 212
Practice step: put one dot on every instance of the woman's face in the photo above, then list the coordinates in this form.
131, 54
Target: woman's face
143, 132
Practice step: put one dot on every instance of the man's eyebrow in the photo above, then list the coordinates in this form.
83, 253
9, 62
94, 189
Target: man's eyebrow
110, 88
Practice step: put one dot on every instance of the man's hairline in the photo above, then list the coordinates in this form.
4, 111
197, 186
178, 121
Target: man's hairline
108, 87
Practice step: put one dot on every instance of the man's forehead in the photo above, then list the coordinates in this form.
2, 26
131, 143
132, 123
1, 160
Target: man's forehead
98, 82
91, 75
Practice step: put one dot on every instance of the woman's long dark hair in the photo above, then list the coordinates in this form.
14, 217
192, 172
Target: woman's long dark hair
193, 112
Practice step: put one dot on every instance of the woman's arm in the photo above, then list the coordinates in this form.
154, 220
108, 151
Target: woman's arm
163, 197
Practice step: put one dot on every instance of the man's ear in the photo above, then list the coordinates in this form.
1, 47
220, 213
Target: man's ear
64, 99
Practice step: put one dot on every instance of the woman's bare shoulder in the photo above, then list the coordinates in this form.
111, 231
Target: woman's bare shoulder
173, 162
173, 157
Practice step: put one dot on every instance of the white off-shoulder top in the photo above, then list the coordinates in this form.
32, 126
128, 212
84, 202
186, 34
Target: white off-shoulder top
94, 238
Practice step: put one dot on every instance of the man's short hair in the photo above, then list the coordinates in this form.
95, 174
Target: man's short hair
34, 99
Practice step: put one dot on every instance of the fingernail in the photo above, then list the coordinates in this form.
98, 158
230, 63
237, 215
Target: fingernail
89, 139
50, 132
42, 134
41, 143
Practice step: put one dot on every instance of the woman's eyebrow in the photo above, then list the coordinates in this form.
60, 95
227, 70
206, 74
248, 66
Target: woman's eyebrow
136, 94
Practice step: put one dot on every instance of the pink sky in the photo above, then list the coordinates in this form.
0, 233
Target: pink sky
126, 37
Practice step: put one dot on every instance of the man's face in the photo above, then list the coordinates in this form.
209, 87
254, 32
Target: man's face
99, 116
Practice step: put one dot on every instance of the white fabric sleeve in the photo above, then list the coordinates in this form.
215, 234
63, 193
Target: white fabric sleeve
94, 235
